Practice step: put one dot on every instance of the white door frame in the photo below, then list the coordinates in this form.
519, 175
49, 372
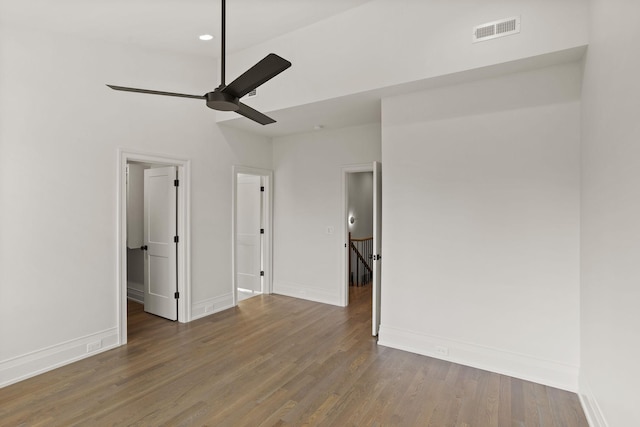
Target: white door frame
184, 231
268, 232
346, 170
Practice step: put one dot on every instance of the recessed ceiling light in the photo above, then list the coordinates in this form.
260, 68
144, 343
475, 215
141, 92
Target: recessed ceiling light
206, 37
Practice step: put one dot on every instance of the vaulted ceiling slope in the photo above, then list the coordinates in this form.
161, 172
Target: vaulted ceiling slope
172, 24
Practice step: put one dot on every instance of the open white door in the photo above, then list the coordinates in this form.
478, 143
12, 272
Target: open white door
248, 241
377, 234
160, 229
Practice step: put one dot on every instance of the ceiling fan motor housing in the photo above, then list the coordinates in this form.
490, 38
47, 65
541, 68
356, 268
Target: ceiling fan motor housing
222, 101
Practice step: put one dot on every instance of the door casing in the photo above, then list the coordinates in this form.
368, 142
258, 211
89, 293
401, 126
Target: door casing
184, 231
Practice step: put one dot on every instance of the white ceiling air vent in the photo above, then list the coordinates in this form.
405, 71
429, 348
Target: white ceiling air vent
492, 30
252, 93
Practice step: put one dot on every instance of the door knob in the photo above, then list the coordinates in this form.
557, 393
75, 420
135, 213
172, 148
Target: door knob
144, 248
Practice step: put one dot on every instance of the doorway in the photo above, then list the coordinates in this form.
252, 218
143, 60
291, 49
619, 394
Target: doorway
153, 254
252, 232
360, 226
152, 218
371, 261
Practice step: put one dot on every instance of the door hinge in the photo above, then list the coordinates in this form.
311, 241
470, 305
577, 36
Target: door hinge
176, 295
176, 239
262, 273
262, 231
261, 188
176, 182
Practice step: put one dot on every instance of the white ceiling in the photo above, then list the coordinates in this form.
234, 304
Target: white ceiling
172, 24
175, 25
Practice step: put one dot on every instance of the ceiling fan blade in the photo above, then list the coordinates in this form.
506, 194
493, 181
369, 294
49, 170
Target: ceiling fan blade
254, 115
269, 67
155, 92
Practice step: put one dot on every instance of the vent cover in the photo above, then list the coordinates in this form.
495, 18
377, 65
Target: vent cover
252, 93
492, 30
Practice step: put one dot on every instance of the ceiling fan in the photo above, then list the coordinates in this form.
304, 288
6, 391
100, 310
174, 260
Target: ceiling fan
227, 97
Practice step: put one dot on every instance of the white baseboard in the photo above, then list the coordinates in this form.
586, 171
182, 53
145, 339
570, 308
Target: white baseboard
40, 361
211, 305
551, 373
305, 292
135, 295
590, 406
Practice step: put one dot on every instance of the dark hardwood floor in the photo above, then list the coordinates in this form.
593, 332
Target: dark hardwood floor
276, 360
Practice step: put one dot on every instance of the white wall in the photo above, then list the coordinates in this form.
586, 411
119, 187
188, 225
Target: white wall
307, 200
135, 275
389, 42
480, 232
59, 135
610, 249
360, 204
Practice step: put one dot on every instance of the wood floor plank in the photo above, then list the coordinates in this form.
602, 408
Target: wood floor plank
276, 361
487, 409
